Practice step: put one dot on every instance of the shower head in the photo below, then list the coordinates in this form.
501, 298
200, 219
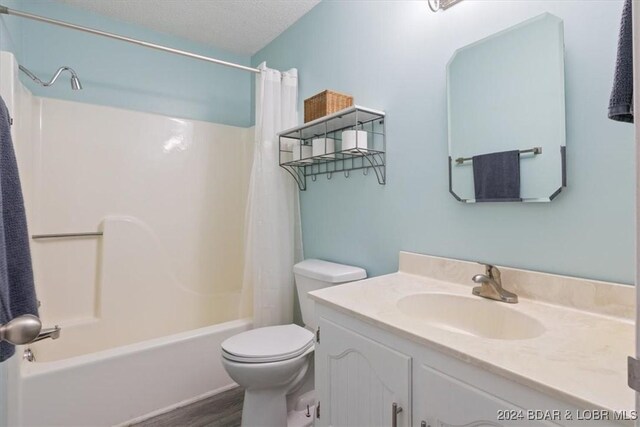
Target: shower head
75, 81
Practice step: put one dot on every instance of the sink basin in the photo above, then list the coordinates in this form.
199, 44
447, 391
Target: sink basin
470, 315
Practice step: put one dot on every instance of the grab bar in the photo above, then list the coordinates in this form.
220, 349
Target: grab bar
66, 235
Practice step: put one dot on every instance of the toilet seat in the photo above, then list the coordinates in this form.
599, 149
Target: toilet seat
268, 344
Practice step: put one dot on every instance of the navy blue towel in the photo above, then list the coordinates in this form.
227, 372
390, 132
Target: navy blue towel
496, 177
17, 293
621, 101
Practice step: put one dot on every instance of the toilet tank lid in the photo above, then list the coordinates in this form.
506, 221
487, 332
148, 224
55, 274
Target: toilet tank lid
330, 272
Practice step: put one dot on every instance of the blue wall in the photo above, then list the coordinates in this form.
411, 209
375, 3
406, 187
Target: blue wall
127, 76
392, 56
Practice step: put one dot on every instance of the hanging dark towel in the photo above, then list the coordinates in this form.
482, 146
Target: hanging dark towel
621, 101
496, 177
17, 293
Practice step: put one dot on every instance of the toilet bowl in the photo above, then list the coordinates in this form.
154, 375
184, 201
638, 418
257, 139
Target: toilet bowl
269, 363
273, 362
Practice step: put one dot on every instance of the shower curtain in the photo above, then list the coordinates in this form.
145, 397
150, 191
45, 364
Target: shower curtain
273, 242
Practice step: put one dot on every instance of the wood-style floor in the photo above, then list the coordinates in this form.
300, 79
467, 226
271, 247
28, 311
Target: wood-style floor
221, 410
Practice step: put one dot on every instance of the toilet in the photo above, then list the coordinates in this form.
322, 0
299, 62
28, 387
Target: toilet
273, 362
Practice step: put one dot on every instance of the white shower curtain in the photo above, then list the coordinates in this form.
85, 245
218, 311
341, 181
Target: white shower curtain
273, 240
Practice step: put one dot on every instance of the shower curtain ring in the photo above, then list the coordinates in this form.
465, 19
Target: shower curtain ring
365, 171
346, 174
329, 175
313, 178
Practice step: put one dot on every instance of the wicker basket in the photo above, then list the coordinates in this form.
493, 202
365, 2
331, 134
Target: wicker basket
325, 103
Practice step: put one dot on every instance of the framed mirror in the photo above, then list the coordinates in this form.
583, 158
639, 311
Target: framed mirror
506, 110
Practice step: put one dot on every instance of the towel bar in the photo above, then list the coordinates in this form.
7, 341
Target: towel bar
534, 150
66, 235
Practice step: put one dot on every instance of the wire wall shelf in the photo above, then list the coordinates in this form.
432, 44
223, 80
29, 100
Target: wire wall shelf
334, 154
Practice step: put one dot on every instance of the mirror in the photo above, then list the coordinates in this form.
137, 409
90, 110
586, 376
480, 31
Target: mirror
506, 93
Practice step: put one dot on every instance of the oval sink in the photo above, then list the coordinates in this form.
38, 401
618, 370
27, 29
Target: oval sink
471, 316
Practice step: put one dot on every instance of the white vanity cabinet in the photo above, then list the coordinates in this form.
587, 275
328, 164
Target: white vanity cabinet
359, 381
441, 400
361, 370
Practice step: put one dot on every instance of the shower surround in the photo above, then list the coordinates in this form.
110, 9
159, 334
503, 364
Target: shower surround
169, 196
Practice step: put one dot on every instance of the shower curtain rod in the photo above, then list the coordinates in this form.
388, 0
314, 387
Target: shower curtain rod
7, 11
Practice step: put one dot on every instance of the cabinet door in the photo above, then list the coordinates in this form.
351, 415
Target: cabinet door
358, 380
440, 400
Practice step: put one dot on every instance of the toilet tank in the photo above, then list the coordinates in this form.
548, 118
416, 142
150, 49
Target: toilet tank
313, 274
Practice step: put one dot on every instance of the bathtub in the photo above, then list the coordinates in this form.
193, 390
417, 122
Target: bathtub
122, 385
145, 306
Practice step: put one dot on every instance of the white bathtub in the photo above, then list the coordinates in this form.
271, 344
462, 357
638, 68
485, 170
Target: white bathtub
121, 385
144, 307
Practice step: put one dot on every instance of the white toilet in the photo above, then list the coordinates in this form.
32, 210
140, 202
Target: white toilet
273, 362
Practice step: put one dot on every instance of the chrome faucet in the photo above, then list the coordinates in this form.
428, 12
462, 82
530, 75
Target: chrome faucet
491, 286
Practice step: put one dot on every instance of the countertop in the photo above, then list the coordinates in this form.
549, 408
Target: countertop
581, 358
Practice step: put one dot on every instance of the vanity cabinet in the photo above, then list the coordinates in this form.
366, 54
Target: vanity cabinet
360, 382
361, 370
442, 400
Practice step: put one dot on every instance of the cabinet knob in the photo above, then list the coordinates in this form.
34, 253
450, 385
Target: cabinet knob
395, 410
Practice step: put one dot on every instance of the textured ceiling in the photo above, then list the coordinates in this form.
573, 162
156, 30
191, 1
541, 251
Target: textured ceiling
240, 26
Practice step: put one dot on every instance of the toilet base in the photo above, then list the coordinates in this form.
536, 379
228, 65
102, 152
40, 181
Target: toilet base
266, 408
